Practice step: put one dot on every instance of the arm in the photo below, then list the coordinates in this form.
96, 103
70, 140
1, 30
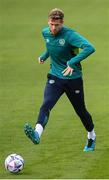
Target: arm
44, 56
77, 40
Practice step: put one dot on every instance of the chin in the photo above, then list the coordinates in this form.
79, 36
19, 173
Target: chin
54, 33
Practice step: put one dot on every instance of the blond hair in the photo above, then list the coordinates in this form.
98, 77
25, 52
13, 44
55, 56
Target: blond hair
55, 14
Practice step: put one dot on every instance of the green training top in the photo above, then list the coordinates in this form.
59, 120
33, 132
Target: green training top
63, 50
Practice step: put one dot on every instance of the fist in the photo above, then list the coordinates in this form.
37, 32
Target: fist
41, 61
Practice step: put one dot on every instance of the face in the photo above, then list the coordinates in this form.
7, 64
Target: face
55, 25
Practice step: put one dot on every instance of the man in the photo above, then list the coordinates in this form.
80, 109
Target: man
65, 75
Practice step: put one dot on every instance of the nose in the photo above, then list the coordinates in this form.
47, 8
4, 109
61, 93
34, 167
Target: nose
53, 27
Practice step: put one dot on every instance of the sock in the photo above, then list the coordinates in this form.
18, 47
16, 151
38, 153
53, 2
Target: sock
91, 135
39, 129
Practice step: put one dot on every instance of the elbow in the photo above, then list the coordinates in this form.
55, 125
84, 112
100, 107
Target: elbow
91, 49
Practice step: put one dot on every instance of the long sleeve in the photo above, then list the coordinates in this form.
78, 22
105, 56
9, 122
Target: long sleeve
76, 40
45, 55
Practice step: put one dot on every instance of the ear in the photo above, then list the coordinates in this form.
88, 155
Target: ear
49, 20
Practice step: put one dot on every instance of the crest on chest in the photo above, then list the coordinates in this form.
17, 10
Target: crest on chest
62, 42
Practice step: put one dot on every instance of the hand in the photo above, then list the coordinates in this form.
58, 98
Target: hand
40, 61
67, 71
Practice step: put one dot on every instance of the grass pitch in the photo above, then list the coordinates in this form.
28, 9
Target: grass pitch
60, 154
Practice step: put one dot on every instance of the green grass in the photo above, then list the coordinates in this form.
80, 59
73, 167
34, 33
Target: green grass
60, 154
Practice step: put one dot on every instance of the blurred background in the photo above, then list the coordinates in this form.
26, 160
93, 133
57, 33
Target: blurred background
60, 154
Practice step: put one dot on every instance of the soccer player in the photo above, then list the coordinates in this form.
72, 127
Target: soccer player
65, 75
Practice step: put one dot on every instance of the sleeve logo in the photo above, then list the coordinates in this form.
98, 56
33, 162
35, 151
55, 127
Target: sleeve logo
47, 40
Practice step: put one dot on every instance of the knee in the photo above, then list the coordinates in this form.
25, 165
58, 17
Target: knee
47, 105
82, 112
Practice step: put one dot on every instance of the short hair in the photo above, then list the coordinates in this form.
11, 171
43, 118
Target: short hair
56, 14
